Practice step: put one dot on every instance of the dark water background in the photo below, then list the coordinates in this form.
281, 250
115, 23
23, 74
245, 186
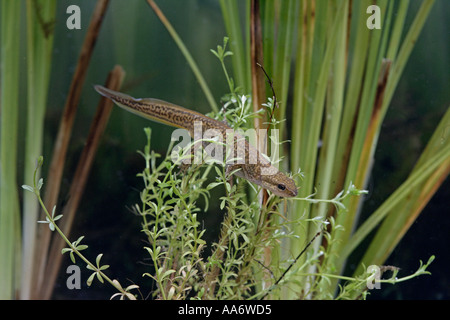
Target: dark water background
133, 37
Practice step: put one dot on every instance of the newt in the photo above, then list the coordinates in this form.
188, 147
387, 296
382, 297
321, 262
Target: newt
255, 168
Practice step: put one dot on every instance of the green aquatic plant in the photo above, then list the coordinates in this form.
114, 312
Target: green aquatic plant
40, 35
176, 245
9, 117
335, 80
340, 76
74, 248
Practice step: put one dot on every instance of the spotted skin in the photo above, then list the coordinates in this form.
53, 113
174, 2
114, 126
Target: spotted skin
255, 168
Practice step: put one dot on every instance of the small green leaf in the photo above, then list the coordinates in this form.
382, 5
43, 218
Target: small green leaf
28, 188
104, 267
213, 185
131, 287
215, 53
72, 256
64, 250
130, 296
97, 260
90, 279
40, 183
40, 161
75, 243
99, 277
167, 273
222, 204
218, 171
228, 53
81, 247
340, 205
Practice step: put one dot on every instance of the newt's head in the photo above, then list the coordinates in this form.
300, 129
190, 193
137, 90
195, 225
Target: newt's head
268, 177
279, 184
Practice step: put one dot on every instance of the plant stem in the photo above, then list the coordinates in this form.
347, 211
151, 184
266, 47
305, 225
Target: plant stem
186, 54
75, 250
241, 69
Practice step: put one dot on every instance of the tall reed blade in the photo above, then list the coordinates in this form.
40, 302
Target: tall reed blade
400, 217
9, 115
344, 78
230, 13
40, 21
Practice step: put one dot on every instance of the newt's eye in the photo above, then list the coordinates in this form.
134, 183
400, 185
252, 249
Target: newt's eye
281, 187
